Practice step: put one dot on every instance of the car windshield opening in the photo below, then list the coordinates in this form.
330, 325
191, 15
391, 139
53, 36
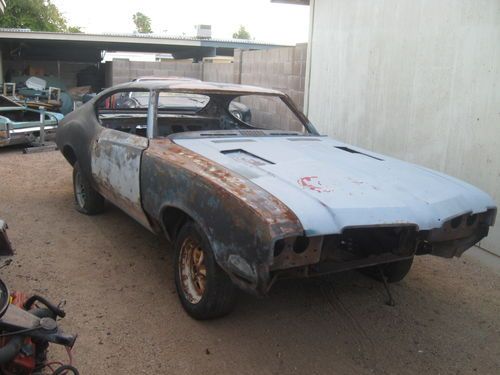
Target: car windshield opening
268, 112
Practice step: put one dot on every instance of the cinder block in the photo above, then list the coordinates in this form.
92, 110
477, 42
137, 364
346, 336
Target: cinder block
120, 79
135, 65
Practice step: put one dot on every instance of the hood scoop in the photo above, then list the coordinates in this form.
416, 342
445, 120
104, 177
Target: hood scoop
350, 150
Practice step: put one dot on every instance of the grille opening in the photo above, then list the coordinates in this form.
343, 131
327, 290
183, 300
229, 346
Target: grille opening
358, 243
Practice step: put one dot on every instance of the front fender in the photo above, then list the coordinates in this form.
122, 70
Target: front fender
240, 219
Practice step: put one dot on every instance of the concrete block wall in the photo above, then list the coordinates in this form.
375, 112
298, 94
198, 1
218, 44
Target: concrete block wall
123, 70
223, 72
282, 69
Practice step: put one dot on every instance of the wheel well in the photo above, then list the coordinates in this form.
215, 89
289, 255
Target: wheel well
173, 219
69, 154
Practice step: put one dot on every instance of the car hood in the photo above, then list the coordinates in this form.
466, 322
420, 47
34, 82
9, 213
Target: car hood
331, 186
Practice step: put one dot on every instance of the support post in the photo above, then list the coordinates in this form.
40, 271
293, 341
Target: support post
42, 126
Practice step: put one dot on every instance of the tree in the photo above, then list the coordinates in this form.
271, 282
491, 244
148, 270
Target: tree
37, 15
142, 23
242, 33
74, 29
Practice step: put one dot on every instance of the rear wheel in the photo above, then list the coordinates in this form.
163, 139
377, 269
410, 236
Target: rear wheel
87, 199
394, 271
204, 289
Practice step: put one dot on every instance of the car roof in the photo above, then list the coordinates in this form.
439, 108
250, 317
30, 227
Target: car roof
194, 86
167, 78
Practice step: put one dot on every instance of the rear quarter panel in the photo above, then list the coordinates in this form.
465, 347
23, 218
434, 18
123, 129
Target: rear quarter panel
78, 130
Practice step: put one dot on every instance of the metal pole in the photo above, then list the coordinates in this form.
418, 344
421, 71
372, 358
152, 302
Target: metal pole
42, 126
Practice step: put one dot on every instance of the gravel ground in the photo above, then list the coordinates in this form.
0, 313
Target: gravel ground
117, 279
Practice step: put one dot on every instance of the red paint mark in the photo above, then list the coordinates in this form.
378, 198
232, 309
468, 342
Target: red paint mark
313, 183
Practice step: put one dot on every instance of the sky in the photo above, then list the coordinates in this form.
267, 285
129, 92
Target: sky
266, 21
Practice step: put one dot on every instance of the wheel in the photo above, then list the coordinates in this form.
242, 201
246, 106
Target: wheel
394, 271
87, 199
204, 289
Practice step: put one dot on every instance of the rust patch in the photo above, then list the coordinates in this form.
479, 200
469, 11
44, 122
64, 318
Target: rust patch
276, 214
313, 183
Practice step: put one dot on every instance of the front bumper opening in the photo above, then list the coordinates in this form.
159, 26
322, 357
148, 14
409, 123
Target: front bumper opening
368, 246
354, 248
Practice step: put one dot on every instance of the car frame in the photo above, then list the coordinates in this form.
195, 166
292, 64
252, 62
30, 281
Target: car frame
240, 219
20, 124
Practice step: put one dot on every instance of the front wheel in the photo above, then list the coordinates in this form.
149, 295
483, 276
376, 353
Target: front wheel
87, 199
204, 289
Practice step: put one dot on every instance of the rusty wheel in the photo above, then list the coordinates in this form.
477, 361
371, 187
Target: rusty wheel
204, 289
193, 270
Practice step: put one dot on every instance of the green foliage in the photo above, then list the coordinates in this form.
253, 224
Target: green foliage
242, 33
74, 29
142, 23
37, 15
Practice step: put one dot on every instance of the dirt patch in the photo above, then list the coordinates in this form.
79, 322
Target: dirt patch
117, 280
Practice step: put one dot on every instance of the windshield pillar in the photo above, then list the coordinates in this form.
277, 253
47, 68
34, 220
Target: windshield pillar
152, 129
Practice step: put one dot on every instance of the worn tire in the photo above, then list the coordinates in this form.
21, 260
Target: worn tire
87, 200
394, 271
219, 293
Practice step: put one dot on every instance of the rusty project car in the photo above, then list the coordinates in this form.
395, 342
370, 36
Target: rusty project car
249, 199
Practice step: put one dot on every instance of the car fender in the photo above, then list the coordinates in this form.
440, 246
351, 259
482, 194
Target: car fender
241, 220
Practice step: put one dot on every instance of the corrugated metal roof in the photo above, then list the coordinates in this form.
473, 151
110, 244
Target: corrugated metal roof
28, 34
296, 2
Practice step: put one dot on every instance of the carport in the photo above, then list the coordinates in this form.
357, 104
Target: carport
63, 55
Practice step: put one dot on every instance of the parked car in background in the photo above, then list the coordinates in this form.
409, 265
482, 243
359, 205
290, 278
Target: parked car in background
247, 201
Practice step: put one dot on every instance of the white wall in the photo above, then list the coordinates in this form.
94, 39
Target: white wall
415, 79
